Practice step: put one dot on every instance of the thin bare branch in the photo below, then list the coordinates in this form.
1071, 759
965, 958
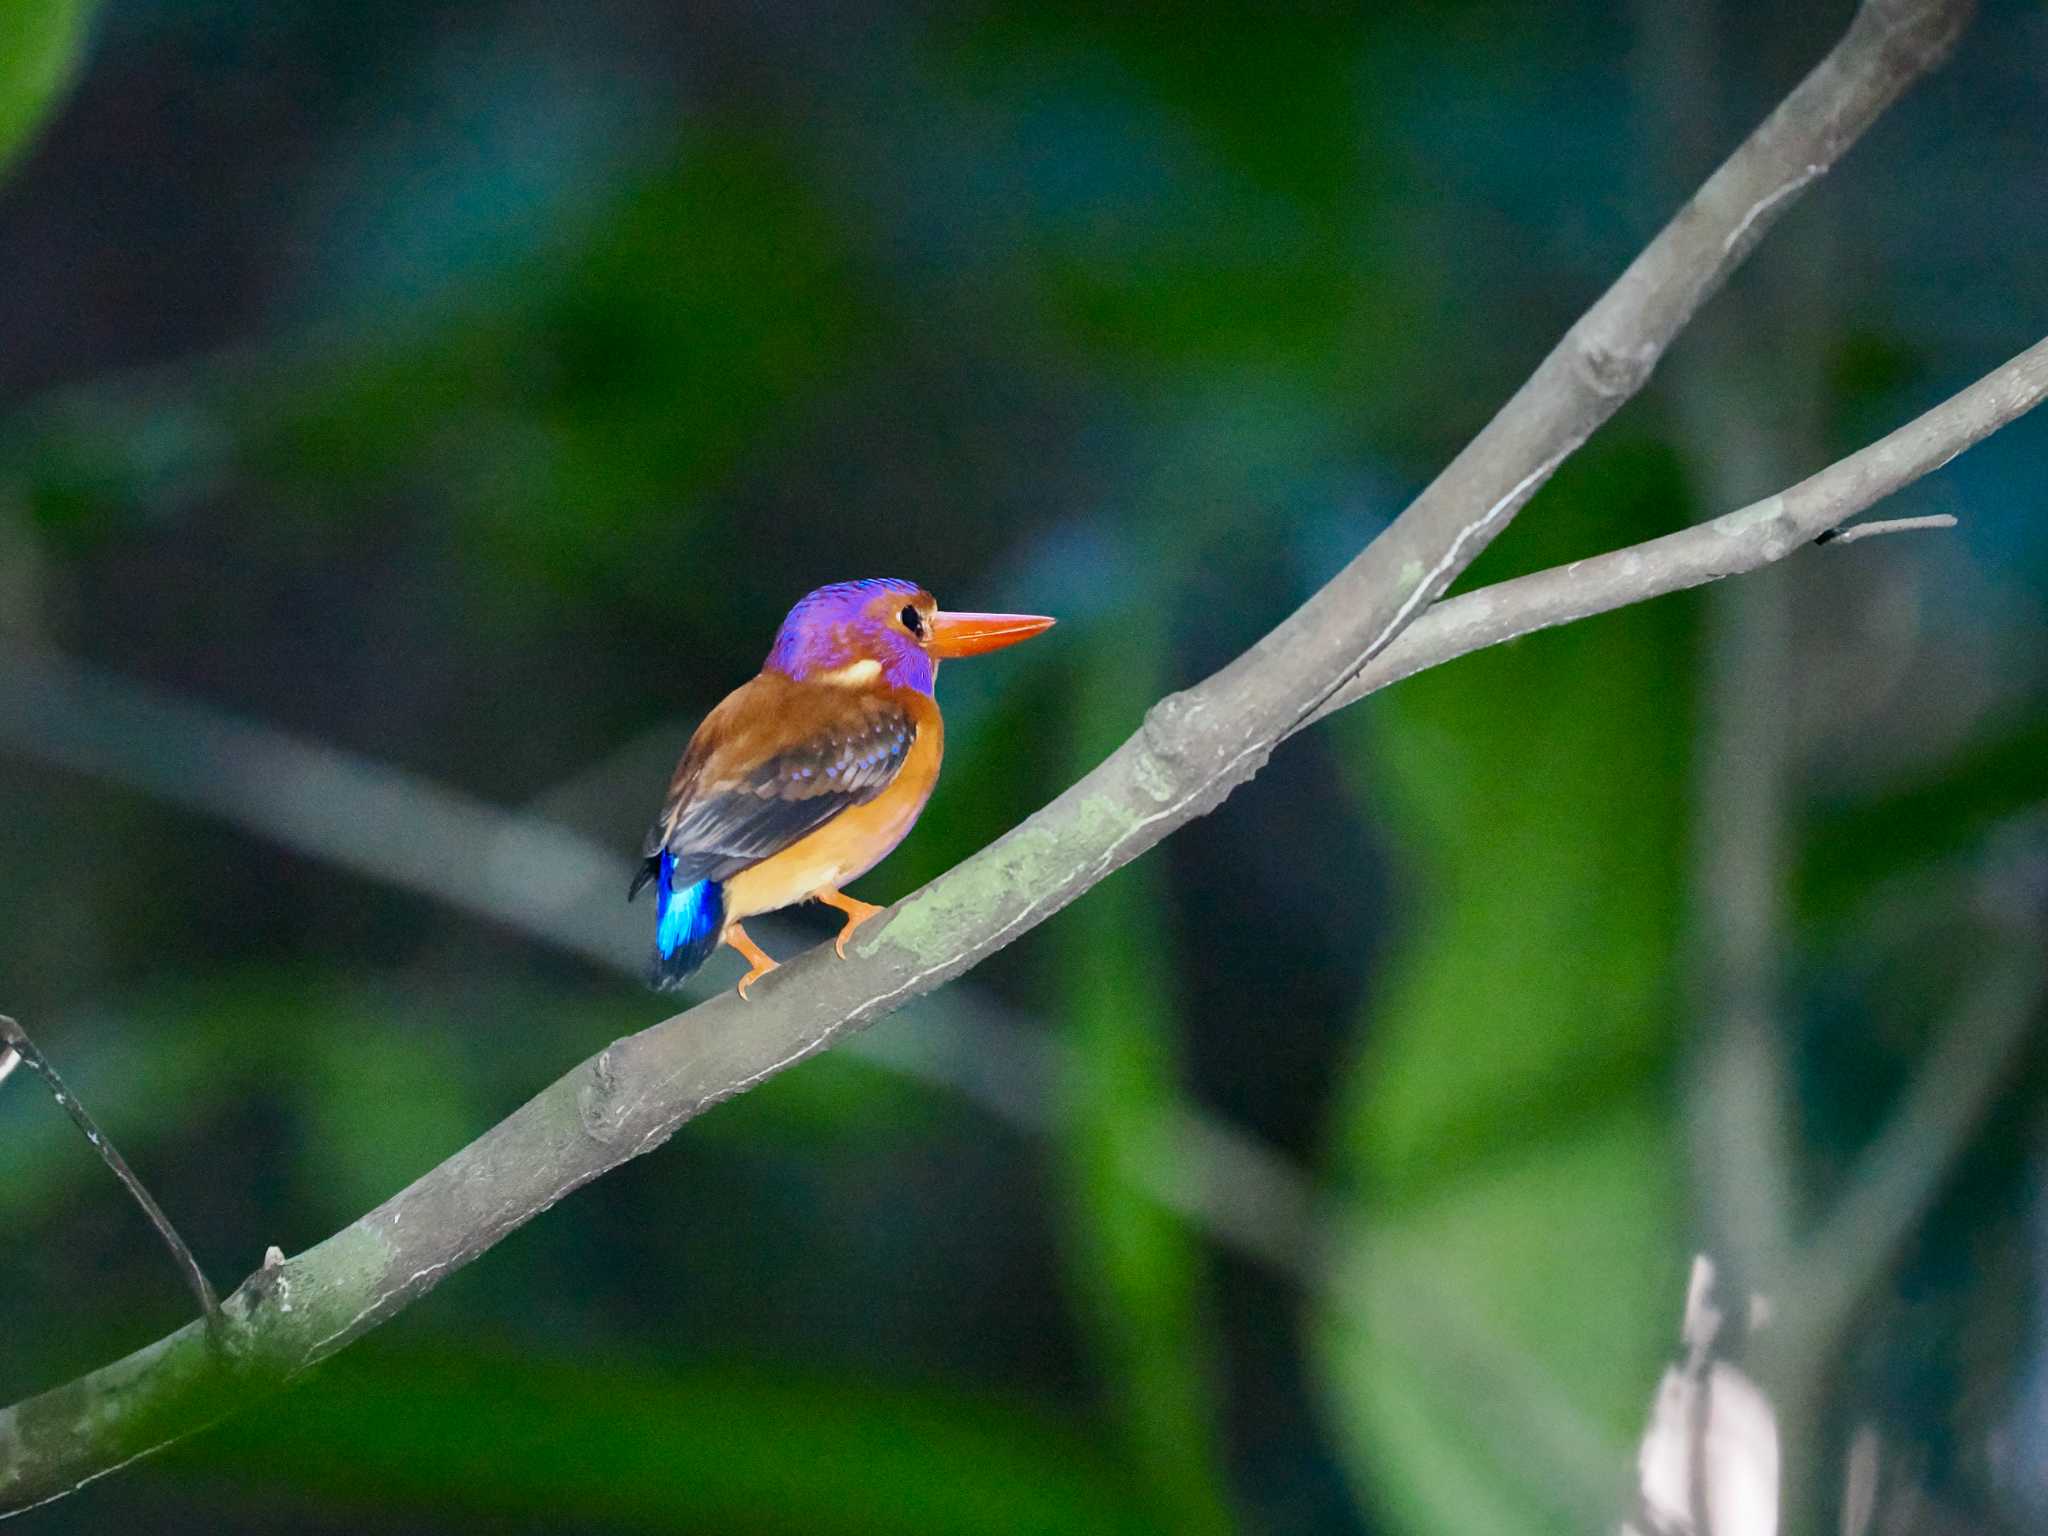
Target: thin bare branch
25, 1052
1900, 1173
1744, 540
1887, 525
1193, 750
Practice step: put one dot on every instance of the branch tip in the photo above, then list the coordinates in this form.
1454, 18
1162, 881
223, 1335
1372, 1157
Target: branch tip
1853, 532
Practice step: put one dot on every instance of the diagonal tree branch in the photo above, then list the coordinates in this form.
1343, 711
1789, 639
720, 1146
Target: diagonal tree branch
1900, 1173
1193, 749
549, 882
413, 830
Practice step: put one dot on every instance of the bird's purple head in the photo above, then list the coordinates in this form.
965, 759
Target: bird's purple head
883, 620
884, 633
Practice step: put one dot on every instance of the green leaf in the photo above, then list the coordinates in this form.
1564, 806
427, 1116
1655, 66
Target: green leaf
1139, 1271
41, 43
1497, 1327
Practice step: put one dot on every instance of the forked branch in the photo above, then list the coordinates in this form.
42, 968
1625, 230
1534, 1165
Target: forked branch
1193, 749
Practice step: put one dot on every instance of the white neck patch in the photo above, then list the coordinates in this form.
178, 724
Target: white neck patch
854, 674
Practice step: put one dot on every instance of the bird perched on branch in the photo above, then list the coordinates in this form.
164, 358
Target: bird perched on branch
806, 777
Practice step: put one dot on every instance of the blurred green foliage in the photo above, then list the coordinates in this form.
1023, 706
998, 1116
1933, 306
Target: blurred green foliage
41, 44
471, 388
483, 1433
1508, 1121
1139, 1270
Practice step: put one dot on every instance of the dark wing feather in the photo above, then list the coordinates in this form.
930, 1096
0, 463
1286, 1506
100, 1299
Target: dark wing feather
753, 783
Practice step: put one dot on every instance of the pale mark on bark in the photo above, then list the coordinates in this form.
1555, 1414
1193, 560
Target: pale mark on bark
1764, 205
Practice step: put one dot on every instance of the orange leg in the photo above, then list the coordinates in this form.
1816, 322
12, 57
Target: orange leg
856, 910
756, 956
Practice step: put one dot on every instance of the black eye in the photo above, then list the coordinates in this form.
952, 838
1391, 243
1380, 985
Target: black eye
913, 621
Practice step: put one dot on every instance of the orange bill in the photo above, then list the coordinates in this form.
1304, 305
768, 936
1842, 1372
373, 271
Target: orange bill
969, 634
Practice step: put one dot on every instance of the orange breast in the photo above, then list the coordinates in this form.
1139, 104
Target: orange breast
853, 842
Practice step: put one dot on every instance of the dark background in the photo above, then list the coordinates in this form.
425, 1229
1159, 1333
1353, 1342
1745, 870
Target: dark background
416, 412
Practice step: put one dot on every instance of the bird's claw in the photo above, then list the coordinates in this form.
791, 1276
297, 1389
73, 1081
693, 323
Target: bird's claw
856, 910
759, 962
753, 976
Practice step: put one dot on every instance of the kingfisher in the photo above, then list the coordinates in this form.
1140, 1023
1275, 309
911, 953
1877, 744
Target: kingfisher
806, 777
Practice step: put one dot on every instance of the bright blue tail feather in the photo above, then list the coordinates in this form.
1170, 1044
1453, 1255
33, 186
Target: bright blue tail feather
687, 923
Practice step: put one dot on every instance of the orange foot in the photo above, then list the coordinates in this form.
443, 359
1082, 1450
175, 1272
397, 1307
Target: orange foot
856, 910
756, 956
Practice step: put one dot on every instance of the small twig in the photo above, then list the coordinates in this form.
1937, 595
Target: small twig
23, 1051
1886, 525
